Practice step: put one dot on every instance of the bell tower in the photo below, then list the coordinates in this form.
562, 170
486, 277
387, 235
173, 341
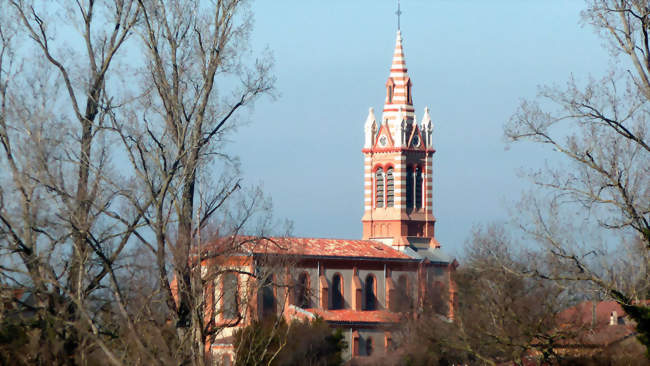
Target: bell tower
398, 155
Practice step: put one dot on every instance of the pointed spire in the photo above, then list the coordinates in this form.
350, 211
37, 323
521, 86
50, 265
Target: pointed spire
426, 118
399, 63
398, 86
371, 117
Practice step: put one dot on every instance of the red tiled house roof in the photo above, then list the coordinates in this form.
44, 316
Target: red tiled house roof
599, 333
307, 247
353, 316
345, 315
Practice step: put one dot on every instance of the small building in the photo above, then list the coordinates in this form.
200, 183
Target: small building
597, 329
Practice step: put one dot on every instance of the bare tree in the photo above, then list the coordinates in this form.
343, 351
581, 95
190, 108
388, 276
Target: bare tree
71, 224
601, 129
60, 232
501, 316
194, 84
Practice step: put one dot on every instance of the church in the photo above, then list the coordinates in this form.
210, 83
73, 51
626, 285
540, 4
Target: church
365, 287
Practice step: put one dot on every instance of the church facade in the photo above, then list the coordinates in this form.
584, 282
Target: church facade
365, 287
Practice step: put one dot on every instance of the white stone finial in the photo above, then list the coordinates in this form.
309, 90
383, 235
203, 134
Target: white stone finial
427, 127
371, 116
370, 128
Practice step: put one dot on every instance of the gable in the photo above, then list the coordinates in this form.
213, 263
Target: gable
415, 140
384, 138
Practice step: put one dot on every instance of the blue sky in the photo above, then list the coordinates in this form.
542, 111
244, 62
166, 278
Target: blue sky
471, 62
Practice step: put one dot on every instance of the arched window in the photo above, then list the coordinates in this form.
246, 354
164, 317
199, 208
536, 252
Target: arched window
337, 292
418, 187
230, 306
404, 301
371, 294
369, 346
409, 187
439, 295
268, 298
303, 299
390, 188
379, 187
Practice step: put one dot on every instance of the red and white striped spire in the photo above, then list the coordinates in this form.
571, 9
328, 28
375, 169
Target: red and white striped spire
398, 105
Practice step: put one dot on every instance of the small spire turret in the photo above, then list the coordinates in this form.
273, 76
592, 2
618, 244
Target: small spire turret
427, 128
370, 128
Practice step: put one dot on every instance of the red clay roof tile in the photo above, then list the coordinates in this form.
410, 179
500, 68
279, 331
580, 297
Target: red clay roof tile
354, 316
313, 247
580, 318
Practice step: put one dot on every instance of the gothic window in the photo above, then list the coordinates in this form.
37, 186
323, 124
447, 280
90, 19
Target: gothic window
409, 187
302, 291
390, 188
418, 187
404, 302
230, 285
371, 296
268, 298
379, 188
369, 346
337, 292
439, 292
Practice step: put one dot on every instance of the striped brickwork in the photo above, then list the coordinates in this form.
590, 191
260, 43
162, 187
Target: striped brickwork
398, 104
399, 151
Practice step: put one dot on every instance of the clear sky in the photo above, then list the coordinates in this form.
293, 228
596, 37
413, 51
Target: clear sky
471, 62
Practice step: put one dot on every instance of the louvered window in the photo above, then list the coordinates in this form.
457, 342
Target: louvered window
409, 187
418, 187
390, 188
379, 191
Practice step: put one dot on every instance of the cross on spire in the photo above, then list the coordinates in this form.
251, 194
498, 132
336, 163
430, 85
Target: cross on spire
398, 13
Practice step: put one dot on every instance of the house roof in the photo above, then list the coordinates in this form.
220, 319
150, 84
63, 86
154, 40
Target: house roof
310, 247
599, 333
583, 313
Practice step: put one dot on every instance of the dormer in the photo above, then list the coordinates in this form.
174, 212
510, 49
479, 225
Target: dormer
390, 90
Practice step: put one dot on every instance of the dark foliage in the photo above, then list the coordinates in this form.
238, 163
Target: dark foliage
298, 343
